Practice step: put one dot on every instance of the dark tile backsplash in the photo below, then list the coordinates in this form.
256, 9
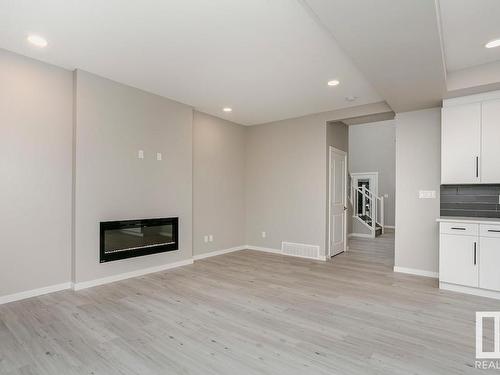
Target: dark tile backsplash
470, 200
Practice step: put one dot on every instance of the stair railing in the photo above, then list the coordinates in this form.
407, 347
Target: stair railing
372, 207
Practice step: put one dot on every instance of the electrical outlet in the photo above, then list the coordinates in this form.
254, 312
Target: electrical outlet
386, 196
210, 238
205, 238
264, 234
140, 154
426, 194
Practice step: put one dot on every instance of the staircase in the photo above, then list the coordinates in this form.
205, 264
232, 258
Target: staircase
368, 209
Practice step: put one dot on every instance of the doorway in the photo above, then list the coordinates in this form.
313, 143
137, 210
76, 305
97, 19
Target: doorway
364, 181
337, 234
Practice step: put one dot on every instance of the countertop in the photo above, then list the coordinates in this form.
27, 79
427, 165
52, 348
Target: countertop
470, 220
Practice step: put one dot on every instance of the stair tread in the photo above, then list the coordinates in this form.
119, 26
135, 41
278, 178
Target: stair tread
367, 219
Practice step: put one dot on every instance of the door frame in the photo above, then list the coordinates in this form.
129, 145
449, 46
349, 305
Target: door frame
330, 151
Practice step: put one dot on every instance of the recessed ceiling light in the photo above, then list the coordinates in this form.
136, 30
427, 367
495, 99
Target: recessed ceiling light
37, 40
227, 109
493, 43
333, 82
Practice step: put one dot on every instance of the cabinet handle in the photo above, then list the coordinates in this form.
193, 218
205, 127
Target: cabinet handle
477, 166
475, 253
457, 228
494, 230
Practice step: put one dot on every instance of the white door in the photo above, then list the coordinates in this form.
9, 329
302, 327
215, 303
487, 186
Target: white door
490, 142
458, 260
338, 161
489, 259
461, 143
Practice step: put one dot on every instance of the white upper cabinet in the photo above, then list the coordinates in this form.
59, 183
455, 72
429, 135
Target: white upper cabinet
490, 142
470, 139
461, 144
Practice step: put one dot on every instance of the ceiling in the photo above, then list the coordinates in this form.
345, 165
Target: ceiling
417, 52
266, 59
270, 59
467, 25
395, 43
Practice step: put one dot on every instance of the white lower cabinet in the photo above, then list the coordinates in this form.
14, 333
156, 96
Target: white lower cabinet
458, 260
469, 258
489, 263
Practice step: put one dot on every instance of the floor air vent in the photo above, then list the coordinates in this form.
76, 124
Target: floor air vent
300, 250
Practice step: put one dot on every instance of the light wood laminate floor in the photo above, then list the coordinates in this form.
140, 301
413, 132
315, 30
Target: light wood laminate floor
250, 313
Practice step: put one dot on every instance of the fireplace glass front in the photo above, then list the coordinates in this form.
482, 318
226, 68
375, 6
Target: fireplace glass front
133, 238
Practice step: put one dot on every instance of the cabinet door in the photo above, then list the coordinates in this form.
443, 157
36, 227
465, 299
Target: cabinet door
490, 142
460, 144
458, 260
489, 263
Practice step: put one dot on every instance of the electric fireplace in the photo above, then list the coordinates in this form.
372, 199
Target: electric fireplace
134, 238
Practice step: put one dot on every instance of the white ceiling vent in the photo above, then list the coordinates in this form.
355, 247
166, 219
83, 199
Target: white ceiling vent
300, 250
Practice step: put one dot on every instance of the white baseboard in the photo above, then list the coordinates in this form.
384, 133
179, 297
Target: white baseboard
278, 251
34, 293
360, 235
321, 257
128, 275
265, 249
469, 290
218, 252
413, 271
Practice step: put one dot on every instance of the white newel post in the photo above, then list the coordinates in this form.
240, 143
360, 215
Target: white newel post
363, 190
382, 219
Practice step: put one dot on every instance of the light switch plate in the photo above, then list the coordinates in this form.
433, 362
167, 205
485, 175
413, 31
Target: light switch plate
158, 156
210, 238
427, 194
264, 234
140, 154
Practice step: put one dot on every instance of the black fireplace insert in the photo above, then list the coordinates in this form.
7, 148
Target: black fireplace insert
133, 238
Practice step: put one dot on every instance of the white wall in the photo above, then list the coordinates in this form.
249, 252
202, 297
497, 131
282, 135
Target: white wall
337, 135
64, 133
418, 161
372, 148
113, 122
218, 183
287, 165
36, 173
286, 170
